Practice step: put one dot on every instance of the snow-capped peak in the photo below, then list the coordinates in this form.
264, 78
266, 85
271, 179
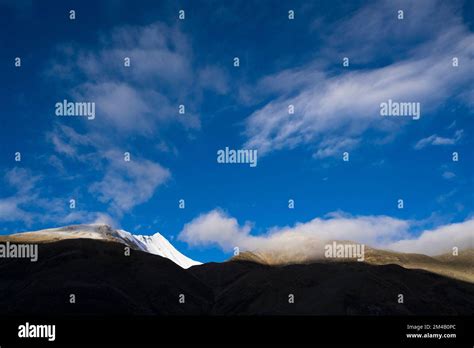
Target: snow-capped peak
158, 245
155, 244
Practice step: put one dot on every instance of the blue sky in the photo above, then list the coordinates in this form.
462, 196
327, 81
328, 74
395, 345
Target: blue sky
282, 62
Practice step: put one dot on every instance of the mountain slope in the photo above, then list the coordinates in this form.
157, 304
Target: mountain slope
106, 282
332, 288
103, 280
458, 267
155, 244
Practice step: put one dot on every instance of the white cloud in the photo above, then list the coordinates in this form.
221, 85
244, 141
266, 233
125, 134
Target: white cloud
374, 30
218, 229
66, 141
10, 211
446, 197
335, 146
129, 99
330, 106
213, 78
56, 163
127, 184
29, 204
439, 240
60, 146
21, 179
12, 208
81, 217
437, 140
121, 106
102, 219
448, 175
123, 184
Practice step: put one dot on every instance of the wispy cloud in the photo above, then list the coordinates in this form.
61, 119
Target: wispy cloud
29, 203
123, 184
333, 104
127, 184
448, 175
437, 140
12, 207
140, 100
129, 99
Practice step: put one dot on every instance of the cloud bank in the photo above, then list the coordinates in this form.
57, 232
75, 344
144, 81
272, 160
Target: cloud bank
216, 228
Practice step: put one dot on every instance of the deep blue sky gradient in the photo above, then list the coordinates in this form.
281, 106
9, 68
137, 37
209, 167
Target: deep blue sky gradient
260, 33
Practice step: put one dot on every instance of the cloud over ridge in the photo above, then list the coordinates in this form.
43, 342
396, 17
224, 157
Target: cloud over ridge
216, 228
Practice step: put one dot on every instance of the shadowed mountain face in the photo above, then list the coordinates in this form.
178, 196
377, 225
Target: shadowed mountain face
333, 289
105, 281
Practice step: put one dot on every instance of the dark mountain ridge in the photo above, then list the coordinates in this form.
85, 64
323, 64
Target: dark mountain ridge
105, 281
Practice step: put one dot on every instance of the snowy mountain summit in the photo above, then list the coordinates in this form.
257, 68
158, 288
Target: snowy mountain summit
154, 244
